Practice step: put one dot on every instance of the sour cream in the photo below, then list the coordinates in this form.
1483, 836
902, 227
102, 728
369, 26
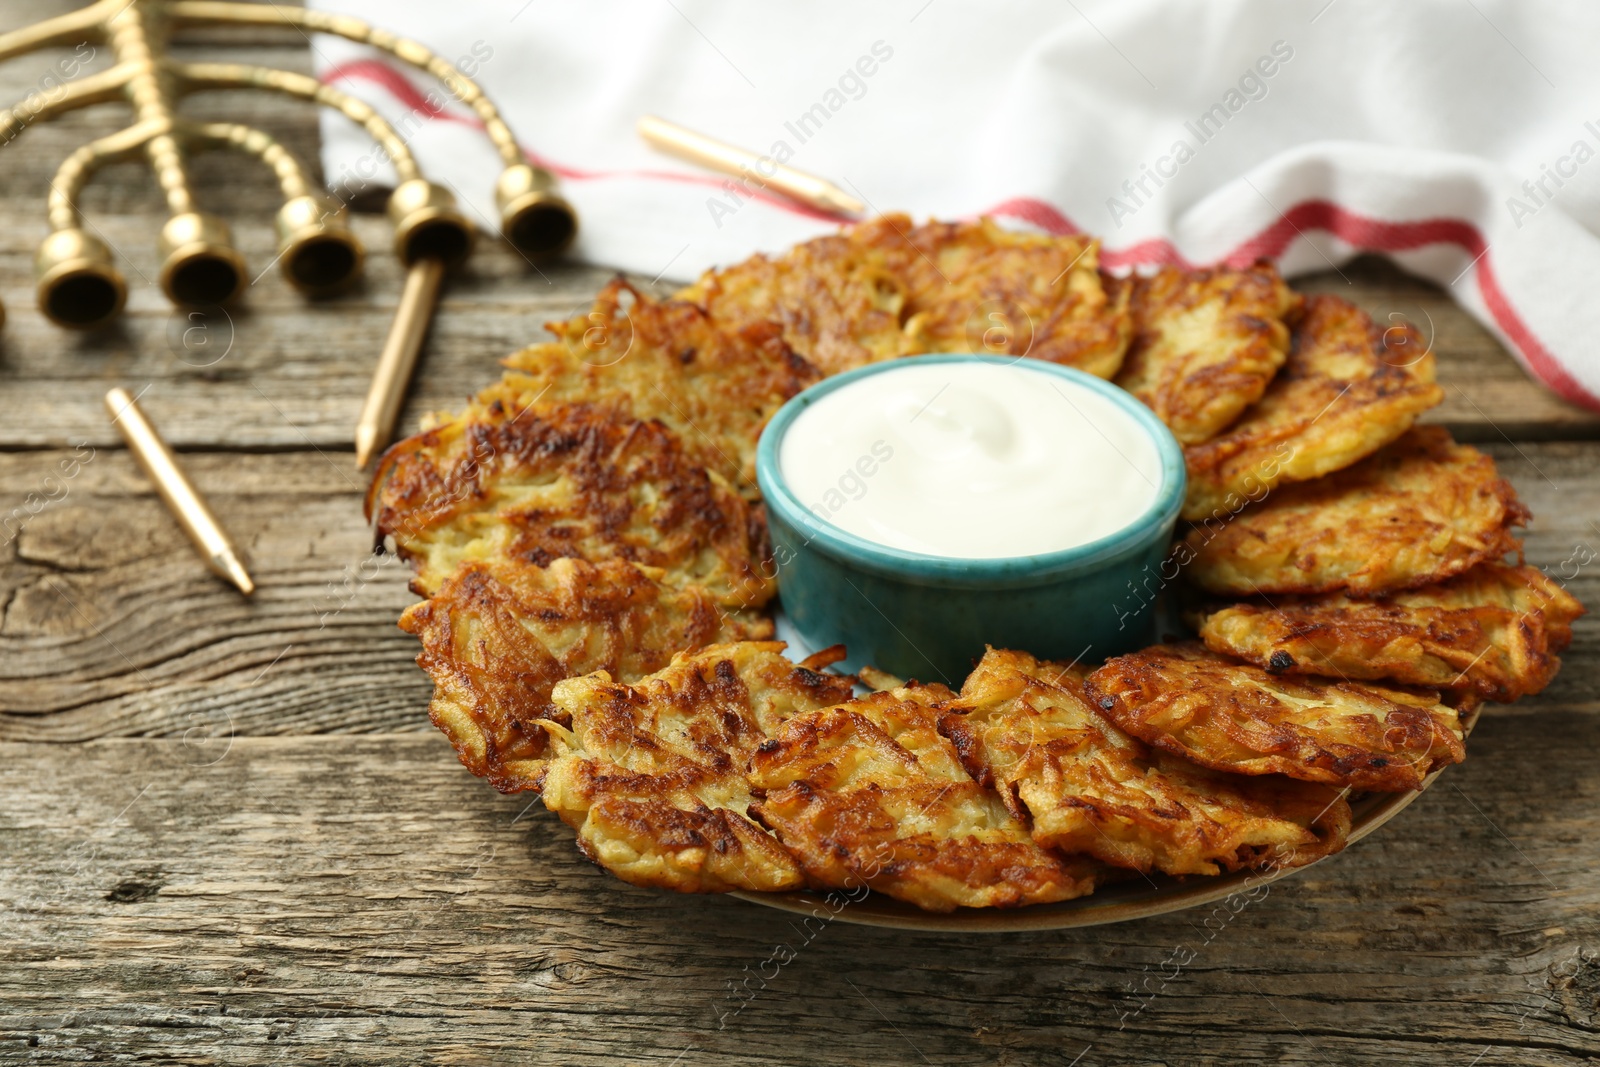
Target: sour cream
971, 460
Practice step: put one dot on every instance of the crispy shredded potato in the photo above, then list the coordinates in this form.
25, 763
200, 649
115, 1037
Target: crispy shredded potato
1206, 344
500, 633
651, 775
1495, 630
974, 287
566, 480
887, 288
870, 793
1421, 510
665, 360
838, 301
1085, 786
1347, 389
1236, 717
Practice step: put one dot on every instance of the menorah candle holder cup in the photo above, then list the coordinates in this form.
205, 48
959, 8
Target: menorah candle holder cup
79, 284
533, 215
199, 265
321, 255
427, 224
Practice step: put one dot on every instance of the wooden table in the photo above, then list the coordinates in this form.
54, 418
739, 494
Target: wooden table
229, 835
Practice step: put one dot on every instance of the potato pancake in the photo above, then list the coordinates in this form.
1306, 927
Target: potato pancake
1206, 344
664, 360
1421, 510
1230, 716
568, 480
974, 287
1085, 786
870, 793
1494, 630
500, 633
651, 775
838, 301
1347, 389
886, 288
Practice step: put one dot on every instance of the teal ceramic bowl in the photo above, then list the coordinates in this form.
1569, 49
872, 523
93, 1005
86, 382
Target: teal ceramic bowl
929, 617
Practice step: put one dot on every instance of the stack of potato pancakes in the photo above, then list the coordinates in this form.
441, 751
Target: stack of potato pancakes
593, 551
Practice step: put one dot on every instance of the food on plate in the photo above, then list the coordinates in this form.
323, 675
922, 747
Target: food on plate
715, 388
500, 633
652, 775
870, 792
1347, 389
1231, 716
568, 480
1421, 510
1494, 629
888, 288
1086, 786
1206, 344
589, 535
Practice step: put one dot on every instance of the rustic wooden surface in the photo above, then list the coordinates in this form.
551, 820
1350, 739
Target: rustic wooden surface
227, 834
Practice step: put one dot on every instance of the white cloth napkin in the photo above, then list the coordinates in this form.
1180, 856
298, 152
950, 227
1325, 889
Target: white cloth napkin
1459, 137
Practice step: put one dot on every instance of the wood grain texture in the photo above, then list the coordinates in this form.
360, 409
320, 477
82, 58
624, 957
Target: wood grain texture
365, 900
227, 834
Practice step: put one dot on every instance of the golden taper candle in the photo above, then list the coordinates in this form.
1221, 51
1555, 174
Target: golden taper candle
399, 358
175, 489
739, 163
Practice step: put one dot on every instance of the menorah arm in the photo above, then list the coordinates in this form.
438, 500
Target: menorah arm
417, 55
197, 76
288, 170
89, 89
76, 170
71, 28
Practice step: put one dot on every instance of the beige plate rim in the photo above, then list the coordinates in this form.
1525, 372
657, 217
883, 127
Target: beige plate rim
1157, 895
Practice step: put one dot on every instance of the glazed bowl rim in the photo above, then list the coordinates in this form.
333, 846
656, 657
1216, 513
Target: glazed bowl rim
821, 535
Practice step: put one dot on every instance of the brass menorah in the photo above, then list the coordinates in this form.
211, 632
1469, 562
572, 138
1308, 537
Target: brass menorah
79, 284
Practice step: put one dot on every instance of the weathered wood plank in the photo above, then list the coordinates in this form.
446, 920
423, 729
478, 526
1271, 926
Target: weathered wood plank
110, 626
292, 895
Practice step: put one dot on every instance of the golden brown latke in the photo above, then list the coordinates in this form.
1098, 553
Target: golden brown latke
887, 288
1419, 511
870, 793
1494, 630
838, 301
500, 634
974, 287
1347, 389
1085, 786
575, 480
1206, 344
716, 388
1236, 717
651, 775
